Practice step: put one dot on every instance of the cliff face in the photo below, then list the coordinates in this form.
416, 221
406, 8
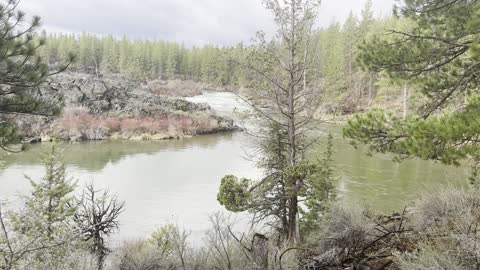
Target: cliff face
114, 107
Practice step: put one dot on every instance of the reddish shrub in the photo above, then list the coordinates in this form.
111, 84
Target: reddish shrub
81, 121
181, 123
113, 124
78, 118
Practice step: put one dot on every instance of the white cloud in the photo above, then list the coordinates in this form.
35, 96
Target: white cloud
195, 22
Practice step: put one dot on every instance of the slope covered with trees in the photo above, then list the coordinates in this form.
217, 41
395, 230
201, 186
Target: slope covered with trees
142, 59
336, 47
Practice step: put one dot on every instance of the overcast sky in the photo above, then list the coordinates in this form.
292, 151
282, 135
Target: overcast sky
194, 22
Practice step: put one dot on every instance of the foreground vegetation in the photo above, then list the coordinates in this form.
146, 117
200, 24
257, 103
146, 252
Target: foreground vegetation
61, 227
56, 228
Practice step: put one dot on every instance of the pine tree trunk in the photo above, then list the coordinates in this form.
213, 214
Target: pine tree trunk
260, 252
293, 200
405, 99
370, 88
293, 237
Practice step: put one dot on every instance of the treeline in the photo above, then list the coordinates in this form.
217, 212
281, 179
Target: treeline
337, 45
142, 59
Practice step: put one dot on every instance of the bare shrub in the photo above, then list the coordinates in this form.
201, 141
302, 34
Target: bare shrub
351, 237
204, 123
448, 224
138, 255
447, 209
428, 258
75, 258
200, 259
169, 248
78, 124
347, 227
113, 124
97, 216
226, 251
182, 123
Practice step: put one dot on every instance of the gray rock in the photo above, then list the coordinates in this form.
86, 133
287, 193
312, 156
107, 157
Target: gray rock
117, 96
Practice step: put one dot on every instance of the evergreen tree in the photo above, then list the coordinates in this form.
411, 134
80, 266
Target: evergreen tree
282, 73
350, 29
124, 55
320, 189
22, 72
109, 62
52, 196
367, 18
42, 235
440, 55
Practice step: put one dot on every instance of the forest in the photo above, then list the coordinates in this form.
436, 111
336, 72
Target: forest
405, 87
351, 86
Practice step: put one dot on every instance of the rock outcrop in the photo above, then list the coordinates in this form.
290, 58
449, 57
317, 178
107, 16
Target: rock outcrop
118, 96
115, 107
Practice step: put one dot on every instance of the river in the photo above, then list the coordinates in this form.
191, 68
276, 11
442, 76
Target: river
176, 181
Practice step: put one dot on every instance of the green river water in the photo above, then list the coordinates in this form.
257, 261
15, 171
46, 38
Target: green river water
177, 181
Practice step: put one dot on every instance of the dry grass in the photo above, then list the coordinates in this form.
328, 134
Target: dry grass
450, 208
448, 222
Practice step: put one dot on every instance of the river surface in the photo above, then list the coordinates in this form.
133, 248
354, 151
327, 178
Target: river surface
177, 181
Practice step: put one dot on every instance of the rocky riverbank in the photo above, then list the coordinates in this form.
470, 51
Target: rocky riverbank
116, 108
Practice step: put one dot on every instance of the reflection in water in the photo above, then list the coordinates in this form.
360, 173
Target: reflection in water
178, 180
159, 181
94, 156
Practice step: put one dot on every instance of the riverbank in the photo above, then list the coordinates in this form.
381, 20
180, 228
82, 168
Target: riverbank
115, 108
119, 136
78, 124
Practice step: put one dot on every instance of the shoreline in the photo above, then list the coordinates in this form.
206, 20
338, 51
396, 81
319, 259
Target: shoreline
129, 138
164, 136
